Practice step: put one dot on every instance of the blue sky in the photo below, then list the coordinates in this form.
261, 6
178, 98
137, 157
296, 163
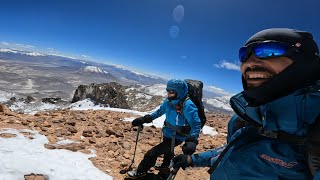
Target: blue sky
196, 39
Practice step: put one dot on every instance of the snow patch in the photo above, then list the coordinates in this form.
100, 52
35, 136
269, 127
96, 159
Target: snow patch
219, 102
144, 96
29, 84
21, 155
157, 90
34, 54
32, 108
94, 69
87, 104
209, 130
5, 96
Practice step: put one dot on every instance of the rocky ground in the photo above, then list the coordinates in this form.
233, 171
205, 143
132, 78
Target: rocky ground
112, 138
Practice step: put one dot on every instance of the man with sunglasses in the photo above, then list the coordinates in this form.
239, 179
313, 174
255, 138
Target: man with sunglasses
275, 132
181, 124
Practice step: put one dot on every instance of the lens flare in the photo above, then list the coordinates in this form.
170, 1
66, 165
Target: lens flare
174, 31
178, 13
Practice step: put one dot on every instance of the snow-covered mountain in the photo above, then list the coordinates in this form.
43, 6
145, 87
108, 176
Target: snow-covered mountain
61, 75
212, 91
42, 75
139, 97
94, 69
216, 103
216, 99
5, 50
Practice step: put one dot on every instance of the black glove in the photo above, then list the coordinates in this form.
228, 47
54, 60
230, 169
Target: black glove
189, 146
141, 120
181, 161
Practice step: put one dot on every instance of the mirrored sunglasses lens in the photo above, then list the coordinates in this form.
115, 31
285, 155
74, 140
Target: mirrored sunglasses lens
270, 49
242, 54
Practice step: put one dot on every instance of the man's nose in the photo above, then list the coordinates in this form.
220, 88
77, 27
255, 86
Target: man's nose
251, 61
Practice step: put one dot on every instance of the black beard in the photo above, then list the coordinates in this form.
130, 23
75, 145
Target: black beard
300, 74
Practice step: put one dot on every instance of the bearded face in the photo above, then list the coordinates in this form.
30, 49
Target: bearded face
256, 71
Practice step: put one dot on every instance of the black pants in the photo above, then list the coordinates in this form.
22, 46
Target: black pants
151, 156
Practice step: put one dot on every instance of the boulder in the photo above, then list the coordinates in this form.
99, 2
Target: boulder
29, 99
51, 100
33, 176
109, 94
6, 110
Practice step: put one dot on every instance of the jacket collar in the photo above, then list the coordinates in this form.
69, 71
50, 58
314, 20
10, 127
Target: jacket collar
289, 113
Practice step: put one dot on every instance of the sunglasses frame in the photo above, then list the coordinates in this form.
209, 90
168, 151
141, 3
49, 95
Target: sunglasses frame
171, 91
250, 50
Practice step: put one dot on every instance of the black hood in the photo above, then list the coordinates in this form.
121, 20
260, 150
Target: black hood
304, 70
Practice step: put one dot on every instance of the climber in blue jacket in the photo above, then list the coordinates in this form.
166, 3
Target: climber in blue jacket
182, 124
275, 132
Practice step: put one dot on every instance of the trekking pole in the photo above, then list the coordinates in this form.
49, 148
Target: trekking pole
173, 141
123, 171
173, 172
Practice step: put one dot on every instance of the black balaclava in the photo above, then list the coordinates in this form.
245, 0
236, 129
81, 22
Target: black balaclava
304, 70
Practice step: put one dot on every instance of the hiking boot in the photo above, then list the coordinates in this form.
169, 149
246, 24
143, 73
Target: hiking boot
163, 173
135, 174
161, 167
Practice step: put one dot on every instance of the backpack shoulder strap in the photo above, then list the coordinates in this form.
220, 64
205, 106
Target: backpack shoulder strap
282, 136
182, 102
238, 124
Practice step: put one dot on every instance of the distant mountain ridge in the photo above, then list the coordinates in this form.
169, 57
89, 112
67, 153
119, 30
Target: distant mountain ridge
60, 74
7, 50
42, 75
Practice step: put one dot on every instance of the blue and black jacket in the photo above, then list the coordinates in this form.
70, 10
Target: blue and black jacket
188, 120
254, 155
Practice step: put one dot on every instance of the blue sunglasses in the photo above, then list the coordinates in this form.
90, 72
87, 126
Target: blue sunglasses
265, 50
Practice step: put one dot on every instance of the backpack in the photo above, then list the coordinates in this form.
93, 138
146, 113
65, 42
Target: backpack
195, 95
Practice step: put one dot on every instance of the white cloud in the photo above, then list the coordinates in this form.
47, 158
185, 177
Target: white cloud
216, 90
85, 56
228, 65
17, 46
24, 46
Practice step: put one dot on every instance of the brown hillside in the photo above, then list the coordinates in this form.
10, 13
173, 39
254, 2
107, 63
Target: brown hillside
104, 131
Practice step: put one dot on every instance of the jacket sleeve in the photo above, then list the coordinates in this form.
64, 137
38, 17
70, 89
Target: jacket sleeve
160, 111
190, 112
206, 159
